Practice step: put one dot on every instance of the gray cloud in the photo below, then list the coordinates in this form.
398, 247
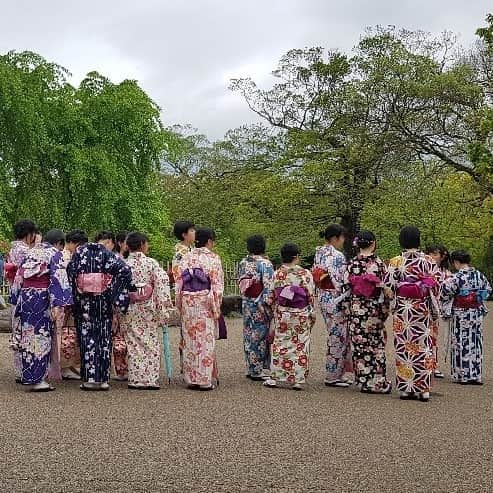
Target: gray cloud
184, 52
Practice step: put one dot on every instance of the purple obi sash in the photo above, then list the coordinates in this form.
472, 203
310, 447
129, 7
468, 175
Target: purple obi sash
195, 279
292, 297
365, 285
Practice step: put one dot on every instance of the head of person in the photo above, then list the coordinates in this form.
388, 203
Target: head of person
335, 235
256, 245
137, 242
184, 231
410, 238
56, 238
205, 238
439, 254
290, 254
365, 240
25, 231
75, 239
107, 239
460, 259
120, 243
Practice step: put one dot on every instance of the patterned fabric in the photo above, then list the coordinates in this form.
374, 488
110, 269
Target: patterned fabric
34, 333
444, 274
367, 318
119, 344
412, 320
200, 312
143, 323
94, 313
257, 314
17, 254
338, 357
466, 325
292, 328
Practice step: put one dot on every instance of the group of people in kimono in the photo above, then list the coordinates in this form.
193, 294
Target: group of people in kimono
80, 306
355, 298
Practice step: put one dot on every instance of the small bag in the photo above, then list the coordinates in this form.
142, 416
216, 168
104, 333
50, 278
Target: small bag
223, 330
142, 294
94, 283
322, 279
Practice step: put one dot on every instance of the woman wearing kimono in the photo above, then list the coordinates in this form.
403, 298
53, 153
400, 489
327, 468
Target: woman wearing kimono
42, 287
368, 309
25, 234
464, 295
100, 283
328, 272
148, 312
294, 316
256, 281
412, 281
199, 293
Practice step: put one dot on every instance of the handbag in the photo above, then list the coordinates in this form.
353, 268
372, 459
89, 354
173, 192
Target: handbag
223, 330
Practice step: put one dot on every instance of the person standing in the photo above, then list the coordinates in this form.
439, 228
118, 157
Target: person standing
412, 281
199, 293
464, 295
368, 309
148, 312
100, 282
256, 280
43, 289
294, 316
328, 273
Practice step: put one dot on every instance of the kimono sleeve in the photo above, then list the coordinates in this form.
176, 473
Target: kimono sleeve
267, 281
60, 288
120, 284
310, 289
485, 287
449, 289
161, 294
338, 270
216, 276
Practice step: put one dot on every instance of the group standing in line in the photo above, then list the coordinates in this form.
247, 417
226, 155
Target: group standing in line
81, 306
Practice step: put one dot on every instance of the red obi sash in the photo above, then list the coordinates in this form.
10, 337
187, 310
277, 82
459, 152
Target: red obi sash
39, 282
322, 279
94, 283
468, 301
364, 285
416, 289
250, 287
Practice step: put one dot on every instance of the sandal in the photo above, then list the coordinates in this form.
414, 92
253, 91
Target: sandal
439, 374
337, 383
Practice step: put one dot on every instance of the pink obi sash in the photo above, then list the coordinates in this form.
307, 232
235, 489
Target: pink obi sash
39, 282
292, 297
94, 283
415, 289
142, 294
365, 285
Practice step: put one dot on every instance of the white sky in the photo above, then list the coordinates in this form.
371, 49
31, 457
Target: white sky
183, 52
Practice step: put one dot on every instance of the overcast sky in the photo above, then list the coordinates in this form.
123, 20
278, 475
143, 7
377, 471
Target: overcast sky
183, 52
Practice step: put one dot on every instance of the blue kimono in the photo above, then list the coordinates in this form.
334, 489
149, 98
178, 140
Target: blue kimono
93, 314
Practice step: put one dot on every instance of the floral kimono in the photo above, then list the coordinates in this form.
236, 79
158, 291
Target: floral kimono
256, 284
367, 313
413, 318
339, 361
199, 293
40, 286
93, 313
16, 256
464, 295
293, 322
143, 322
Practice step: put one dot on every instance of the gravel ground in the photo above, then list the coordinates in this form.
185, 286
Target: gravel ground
244, 437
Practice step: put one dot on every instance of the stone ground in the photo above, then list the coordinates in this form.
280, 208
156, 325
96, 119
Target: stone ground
244, 437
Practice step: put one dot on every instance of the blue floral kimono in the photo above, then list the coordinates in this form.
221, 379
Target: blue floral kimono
466, 329
41, 284
93, 314
257, 314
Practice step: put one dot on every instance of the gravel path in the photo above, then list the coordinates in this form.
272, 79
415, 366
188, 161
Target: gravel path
244, 437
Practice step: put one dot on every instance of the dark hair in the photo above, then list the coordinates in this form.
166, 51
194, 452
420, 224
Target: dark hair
54, 236
444, 253
410, 237
77, 236
333, 231
105, 235
203, 235
181, 228
460, 256
288, 252
136, 240
256, 245
364, 239
24, 228
120, 238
